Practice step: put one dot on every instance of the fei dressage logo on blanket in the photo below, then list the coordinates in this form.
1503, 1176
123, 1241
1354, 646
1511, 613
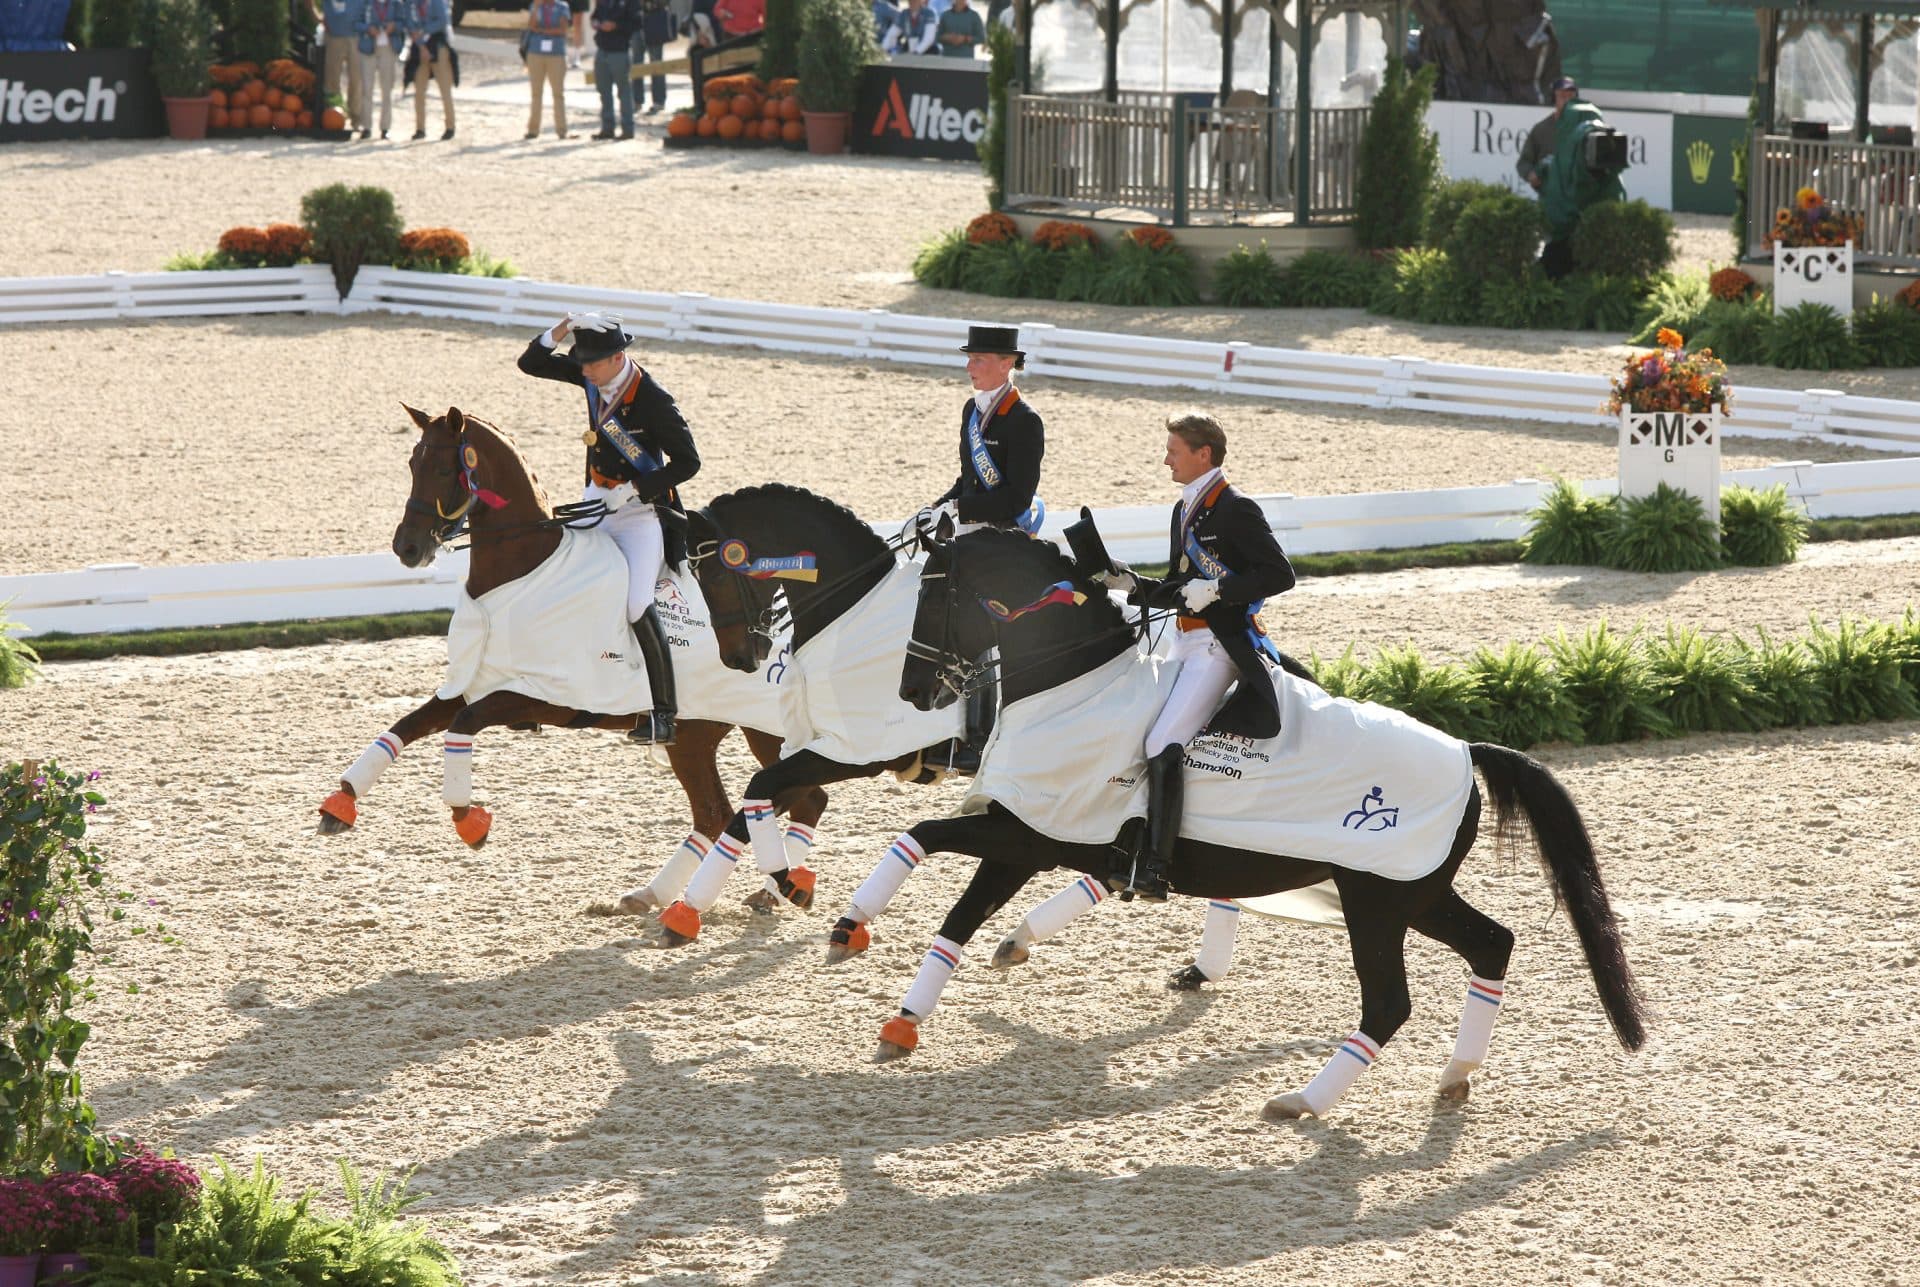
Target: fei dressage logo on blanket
1369, 818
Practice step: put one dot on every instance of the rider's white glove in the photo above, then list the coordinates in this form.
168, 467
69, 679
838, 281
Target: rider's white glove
1198, 595
614, 497
1123, 580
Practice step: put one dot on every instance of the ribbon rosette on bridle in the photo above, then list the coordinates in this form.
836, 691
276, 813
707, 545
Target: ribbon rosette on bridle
1058, 592
469, 461
735, 557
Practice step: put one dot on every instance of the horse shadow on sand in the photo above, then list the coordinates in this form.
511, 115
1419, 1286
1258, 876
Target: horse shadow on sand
745, 1152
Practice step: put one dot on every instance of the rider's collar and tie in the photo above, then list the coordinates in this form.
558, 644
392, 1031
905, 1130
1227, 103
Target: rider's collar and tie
611, 391
985, 402
1194, 492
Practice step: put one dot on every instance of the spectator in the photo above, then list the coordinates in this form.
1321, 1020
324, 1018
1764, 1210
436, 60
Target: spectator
578, 40
657, 25
1536, 154
914, 32
961, 31
1000, 11
700, 27
382, 33
614, 25
431, 58
341, 21
547, 24
739, 17
885, 14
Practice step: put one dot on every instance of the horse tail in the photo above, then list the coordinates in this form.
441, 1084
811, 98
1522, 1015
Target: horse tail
1519, 784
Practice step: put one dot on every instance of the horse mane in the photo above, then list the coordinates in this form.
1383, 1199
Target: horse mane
505, 442
1006, 546
839, 515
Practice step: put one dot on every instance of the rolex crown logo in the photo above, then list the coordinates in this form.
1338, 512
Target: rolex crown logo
1699, 159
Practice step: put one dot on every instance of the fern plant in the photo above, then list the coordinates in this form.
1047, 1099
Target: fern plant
1521, 303
1328, 279
1785, 682
1811, 337
1674, 303
1611, 686
1598, 302
1887, 333
1665, 531
1736, 331
1344, 676
1445, 696
1523, 703
942, 262
1079, 275
1760, 528
19, 663
1569, 526
1708, 682
1860, 669
1137, 276
1249, 277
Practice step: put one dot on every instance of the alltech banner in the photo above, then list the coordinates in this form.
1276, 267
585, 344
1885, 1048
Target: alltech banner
91, 94
919, 110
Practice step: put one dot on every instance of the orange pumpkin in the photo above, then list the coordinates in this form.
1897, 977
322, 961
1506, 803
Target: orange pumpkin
717, 107
333, 119
292, 103
705, 127
793, 131
681, 126
260, 116
770, 110
219, 98
790, 107
729, 127
743, 106
284, 120
256, 89
217, 117
304, 120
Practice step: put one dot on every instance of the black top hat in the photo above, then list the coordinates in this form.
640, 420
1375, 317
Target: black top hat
993, 339
592, 345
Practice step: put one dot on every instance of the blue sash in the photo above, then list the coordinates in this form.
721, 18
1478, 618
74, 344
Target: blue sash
606, 422
986, 471
1201, 558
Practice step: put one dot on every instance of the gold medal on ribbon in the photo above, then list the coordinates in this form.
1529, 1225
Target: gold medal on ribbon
472, 457
589, 437
1183, 563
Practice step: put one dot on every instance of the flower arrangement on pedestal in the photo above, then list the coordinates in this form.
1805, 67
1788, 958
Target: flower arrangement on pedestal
1813, 221
1671, 379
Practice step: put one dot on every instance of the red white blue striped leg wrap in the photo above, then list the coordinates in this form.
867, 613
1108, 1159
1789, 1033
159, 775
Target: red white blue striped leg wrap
456, 785
799, 844
373, 761
763, 831
942, 959
1355, 1056
671, 880
876, 891
1052, 916
1215, 957
1477, 1015
703, 891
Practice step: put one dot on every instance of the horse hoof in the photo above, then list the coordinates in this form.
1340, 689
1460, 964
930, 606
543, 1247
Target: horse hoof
762, 902
899, 1036
1456, 1092
474, 826
1010, 952
796, 886
637, 902
887, 1052
1289, 1107
681, 922
847, 942
337, 814
1191, 979
665, 938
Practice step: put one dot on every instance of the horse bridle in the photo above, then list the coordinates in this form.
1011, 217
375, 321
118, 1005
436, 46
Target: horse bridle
444, 528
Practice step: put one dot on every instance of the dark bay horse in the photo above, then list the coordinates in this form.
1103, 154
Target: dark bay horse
1074, 629
827, 560
513, 530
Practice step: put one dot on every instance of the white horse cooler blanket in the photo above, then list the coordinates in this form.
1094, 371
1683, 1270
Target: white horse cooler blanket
1353, 784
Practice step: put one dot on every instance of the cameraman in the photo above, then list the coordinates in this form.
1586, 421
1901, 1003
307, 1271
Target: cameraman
1588, 157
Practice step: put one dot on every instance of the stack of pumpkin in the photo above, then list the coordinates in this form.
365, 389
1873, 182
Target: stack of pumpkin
744, 112
247, 98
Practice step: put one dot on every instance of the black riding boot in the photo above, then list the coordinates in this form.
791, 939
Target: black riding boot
1153, 869
657, 728
983, 708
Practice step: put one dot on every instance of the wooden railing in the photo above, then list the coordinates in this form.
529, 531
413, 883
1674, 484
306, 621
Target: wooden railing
1083, 152
1881, 184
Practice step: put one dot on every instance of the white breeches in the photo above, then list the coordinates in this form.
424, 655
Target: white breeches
635, 528
1206, 672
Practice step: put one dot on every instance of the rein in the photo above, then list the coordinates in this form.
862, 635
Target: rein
965, 677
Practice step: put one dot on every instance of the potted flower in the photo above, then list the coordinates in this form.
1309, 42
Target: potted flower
836, 44
155, 1190
182, 46
86, 1211
1813, 253
26, 1213
1670, 403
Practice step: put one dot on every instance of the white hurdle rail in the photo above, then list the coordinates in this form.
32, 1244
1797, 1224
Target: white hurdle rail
307, 288
128, 597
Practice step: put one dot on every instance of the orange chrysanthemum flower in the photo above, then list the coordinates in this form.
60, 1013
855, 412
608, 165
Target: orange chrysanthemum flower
991, 229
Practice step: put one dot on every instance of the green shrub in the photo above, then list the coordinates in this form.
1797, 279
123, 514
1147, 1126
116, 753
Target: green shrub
1399, 289
1608, 681
1496, 238
1736, 332
1785, 684
118, 24
1523, 303
1674, 303
1598, 302
1859, 670
481, 264
1446, 696
1136, 276
1344, 676
182, 47
1249, 277
1569, 526
1328, 279
992, 148
1760, 528
1399, 157
257, 30
1628, 239
1523, 702
350, 227
1450, 197
1665, 531
780, 41
1708, 682
1906, 633
19, 663
1448, 297
942, 262
1811, 337
1887, 333
836, 44
1015, 270
1080, 275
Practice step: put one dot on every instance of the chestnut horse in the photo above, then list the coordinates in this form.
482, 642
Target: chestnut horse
467, 473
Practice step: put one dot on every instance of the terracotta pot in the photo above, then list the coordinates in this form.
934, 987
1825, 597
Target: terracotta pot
19, 1271
187, 117
827, 132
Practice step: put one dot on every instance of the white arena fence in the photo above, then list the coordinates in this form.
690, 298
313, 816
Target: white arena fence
125, 597
1226, 367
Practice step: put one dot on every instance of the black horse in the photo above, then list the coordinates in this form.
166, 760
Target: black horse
823, 559
962, 612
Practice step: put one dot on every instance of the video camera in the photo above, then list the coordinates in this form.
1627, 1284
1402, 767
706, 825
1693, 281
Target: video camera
1603, 151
